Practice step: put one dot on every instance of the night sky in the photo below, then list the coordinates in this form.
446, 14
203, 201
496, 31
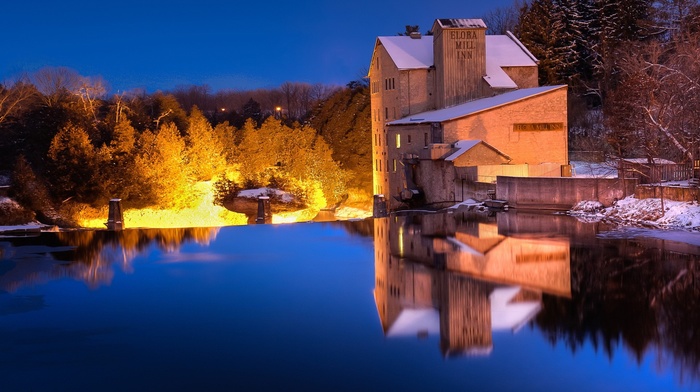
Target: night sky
158, 45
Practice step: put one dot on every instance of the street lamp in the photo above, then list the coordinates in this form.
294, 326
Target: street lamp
278, 111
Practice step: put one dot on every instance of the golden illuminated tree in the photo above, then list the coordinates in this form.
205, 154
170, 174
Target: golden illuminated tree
161, 168
117, 163
204, 152
254, 154
226, 136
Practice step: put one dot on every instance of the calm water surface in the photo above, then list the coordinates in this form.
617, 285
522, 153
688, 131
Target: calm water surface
460, 301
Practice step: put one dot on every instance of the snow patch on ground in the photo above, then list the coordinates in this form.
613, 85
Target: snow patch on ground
9, 203
255, 193
582, 169
466, 203
644, 212
348, 213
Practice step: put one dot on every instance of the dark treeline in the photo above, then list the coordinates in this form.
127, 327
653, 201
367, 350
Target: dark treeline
632, 67
64, 141
634, 296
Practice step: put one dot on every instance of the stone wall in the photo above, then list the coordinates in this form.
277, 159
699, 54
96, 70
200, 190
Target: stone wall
561, 193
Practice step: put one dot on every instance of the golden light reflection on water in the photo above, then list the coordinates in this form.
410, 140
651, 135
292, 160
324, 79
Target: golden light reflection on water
304, 215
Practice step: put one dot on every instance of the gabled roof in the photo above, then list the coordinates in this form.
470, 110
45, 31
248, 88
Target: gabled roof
501, 51
465, 145
472, 107
505, 51
409, 53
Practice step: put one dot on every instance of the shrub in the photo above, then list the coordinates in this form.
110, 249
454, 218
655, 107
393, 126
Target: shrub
225, 190
12, 213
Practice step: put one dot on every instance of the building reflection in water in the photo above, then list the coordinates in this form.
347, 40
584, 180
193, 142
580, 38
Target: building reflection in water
90, 256
458, 275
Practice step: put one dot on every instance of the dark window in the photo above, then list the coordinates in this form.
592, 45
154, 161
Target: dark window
436, 132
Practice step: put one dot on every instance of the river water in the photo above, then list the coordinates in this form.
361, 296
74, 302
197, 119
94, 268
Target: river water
448, 301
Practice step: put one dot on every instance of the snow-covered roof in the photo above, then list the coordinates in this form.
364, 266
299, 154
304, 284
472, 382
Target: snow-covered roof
475, 106
409, 53
466, 145
501, 51
505, 51
412, 321
507, 315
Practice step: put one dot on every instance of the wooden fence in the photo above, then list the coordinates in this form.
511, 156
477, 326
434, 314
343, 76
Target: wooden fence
650, 174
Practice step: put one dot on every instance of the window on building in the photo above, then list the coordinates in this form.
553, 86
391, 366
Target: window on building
386, 113
380, 165
394, 165
408, 139
398, 140
436, 131
425, 139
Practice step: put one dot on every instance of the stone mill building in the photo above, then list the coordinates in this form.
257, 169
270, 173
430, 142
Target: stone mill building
453, 110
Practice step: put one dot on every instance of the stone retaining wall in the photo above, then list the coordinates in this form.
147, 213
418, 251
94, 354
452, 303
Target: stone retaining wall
561, 193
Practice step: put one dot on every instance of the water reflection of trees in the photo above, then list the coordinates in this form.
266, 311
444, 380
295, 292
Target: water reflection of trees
638, 294
87, 256
634, 292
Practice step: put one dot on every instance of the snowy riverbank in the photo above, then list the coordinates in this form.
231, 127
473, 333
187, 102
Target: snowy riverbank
642, 213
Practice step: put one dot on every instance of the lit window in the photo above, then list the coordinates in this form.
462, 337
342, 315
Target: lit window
394, 164
398, 140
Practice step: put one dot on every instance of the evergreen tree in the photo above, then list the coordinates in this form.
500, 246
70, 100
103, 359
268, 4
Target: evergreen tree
73, 165
252, 111
344, 122
205, 153
227, 135
253, 154
539, 33
117, 162
161, 169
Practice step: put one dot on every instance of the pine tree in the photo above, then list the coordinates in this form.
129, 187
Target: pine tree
163, 175
205, 154
72, 165
535, 32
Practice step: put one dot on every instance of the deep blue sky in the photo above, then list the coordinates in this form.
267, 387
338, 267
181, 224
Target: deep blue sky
225, 44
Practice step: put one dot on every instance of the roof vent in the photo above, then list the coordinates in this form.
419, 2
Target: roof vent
415, 34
